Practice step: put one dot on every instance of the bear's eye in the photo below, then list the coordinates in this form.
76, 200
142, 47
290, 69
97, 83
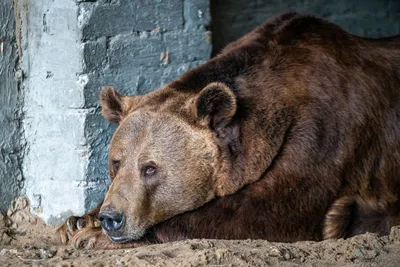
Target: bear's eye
150, 170
115, 166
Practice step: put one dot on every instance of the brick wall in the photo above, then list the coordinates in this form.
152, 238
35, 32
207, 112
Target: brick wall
11, 145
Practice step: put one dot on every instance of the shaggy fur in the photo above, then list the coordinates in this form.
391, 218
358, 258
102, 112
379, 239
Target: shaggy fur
291, 133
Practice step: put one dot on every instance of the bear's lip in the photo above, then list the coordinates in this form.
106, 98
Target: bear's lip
120, 239
127, 237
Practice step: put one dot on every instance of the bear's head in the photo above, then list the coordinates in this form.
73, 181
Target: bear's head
167, 156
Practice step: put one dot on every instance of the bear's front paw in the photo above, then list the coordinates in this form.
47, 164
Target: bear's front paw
74, 225
67, 230
87, 238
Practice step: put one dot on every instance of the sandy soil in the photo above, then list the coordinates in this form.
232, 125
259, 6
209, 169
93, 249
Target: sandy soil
26, 240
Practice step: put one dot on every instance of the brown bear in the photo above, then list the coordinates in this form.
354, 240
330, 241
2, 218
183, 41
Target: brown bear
291, 133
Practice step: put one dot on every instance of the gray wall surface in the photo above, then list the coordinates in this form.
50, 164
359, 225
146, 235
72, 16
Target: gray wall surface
57, 54
11, 145
369, 18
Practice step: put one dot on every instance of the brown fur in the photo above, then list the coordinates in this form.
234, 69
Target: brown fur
291, 133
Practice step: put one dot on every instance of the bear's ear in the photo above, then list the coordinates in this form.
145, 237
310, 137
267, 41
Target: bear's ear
215, 105
111, 104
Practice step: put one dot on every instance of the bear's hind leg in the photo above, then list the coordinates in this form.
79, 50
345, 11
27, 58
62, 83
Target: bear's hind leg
338, 218
350, 216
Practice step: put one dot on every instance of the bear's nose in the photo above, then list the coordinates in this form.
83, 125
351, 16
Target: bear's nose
111, 221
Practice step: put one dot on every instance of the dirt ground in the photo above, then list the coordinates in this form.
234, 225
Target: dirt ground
26, 240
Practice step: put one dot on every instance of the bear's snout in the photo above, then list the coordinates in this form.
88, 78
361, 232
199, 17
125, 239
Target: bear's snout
111, 221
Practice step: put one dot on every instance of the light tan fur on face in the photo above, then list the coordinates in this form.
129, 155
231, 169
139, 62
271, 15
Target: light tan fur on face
169, 143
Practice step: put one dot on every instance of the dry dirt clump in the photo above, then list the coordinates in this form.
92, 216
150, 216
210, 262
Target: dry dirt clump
26, 240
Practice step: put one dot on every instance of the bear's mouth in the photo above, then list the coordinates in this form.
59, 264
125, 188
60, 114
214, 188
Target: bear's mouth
131, 237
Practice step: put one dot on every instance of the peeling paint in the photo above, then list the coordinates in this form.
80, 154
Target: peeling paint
164, 57
20, 14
